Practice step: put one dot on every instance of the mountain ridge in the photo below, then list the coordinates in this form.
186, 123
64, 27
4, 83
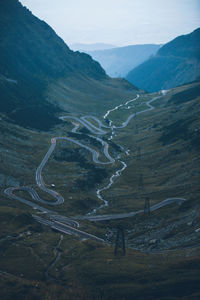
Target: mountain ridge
36, 58
176, 63
118, 61
90, 47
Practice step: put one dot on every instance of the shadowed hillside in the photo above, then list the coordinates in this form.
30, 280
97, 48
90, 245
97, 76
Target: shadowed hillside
176, 63
158, 247
121, 162
33, 58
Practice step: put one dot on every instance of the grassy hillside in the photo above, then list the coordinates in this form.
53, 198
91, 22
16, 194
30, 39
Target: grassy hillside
84, 95
164, 145
33, 58
163, 161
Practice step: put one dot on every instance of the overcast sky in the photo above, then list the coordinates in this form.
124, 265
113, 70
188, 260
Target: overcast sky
118, 22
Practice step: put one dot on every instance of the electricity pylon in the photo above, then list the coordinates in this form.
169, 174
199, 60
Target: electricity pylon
141, 183
120, 241
139, 153
147, 209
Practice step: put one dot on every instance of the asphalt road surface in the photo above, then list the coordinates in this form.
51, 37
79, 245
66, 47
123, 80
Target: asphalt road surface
63, 223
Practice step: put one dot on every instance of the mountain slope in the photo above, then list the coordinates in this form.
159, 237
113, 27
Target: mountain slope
168, 165
176, 63
33, 58
117, 62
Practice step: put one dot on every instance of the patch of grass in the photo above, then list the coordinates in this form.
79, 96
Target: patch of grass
185, 96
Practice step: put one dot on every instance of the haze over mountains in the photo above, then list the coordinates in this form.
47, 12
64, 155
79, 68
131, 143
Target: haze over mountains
117, 62
90, 47
176, 63
105, 203
153, 67
40, 75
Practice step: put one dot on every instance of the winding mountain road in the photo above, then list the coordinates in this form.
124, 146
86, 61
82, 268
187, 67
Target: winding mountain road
65, 224
97, 218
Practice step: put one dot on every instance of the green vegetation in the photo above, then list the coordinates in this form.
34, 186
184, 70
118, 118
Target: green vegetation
156, 169
86, 269
40, 76
177, 130
95, 175
120, 115
186, 95
36, 262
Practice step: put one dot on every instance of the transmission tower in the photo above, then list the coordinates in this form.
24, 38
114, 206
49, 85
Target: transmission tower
136, 126
139, 153
141, 183
120, 241
147, 209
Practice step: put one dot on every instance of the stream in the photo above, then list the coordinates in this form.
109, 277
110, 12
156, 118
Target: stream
124, 165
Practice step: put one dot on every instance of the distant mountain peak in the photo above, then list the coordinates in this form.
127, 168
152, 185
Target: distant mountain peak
117, 62
90, 47
176, 63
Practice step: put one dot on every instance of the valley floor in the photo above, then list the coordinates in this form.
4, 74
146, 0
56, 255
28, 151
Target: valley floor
161, 154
